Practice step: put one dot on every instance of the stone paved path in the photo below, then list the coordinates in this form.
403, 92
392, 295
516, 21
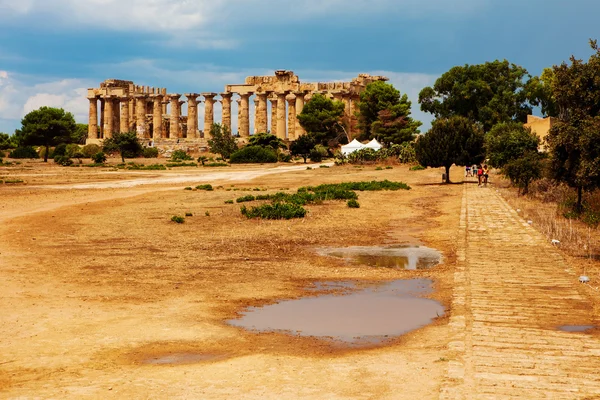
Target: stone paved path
512, 290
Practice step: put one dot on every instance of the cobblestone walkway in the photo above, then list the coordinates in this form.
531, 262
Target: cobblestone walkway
512, 291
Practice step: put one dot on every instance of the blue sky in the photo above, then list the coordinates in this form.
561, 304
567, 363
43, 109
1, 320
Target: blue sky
51, 51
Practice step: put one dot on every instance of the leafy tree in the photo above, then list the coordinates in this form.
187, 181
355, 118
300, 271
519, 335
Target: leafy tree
254, 154
485, 93
45, 127
221, 142
321, 118
126, 143
267, 140
574, 141
384, 114
99, 158
454, 140
540, 92
7, 141
523, 170
80, 134
509, 141
302, 146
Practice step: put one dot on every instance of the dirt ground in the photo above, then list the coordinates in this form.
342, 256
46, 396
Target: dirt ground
98, 282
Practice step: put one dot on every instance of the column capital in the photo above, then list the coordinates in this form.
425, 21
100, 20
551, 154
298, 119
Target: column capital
300, 92
245, 95
226, 95
192, 96
291, 97
141, 96
208, 95
94, 97
174, 96
156, 96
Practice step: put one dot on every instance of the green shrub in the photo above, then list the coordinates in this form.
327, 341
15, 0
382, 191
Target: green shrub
189, 214
379, 169
90, 149
79, 155
228, 201
71, 149
274, 211
12, 181
216, 164
187, 188
42, 152
308, 168
2, 154
323, 166
181, 164
417, 168
150, 152
60, 150
180, 155
389, 167
65, 161
284, 157
206, 213
178, 219
151, 167
245, 198
206, 186
99, 158
253, 154
24, 152
360, 186
353, 204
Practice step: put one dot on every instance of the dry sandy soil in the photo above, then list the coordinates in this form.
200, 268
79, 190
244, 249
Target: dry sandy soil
97, 282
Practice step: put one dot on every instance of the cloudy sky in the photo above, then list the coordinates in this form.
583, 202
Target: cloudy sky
51, 51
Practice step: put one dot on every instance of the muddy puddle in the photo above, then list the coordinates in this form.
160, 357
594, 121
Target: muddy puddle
576, 328
359, 316
404, 257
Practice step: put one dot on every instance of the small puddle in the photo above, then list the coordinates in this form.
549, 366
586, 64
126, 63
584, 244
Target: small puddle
576, 328
181, 358
406, 257
366, 316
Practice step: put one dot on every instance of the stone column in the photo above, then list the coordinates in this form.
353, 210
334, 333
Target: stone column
192, 119
174, 131
261, 118
124, 123
93, 118
157, 107
244, 115
298, 129
209, 113
239, 119
281, 128
274, 116
182, 132
116, 114
109, 116
291, 114
140, 116
131, 107
102, 112
226, 106
255, 114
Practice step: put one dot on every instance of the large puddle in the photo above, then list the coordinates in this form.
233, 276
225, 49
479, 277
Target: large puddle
361, 316
405, 257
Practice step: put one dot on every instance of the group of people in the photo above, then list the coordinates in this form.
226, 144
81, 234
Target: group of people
480, 172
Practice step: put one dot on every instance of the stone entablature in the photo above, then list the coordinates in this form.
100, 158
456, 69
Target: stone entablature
156, 116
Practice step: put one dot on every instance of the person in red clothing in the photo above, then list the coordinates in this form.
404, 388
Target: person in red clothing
479, 174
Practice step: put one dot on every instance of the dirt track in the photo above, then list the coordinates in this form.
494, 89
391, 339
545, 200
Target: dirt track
98, 282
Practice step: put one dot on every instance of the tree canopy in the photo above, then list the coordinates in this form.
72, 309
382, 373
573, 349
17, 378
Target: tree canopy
485, 93
321, 118
302, 146
266, 140
454, 140
46, 126
509, 141
222, 141
385, 114
126, 143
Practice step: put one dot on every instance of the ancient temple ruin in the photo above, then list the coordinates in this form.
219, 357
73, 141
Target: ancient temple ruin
157, 117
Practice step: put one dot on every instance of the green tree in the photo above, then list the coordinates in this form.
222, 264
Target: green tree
266, 140
80, 134
45, 127
574, 141
7, 141
523, 170
126, 143
222, 141
540, 92
509, 141
321, 119
302, 146
454, 140
487, 93
385, 115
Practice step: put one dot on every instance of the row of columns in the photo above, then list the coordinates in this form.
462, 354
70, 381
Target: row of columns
122, 114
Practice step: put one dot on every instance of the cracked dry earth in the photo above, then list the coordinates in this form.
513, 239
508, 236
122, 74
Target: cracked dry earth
512, 291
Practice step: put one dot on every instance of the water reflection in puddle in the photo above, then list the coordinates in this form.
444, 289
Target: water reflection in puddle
407, 257
576, 328
366, 316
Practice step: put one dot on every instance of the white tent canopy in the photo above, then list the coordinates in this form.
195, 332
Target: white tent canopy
352, 147
373, 144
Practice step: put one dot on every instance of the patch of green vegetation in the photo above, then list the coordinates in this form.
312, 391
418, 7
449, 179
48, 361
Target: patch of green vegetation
13, 181
417, 168
151, 167
274, 211
323, 166
178, 219
244, 199
217, 164
187, 188
360, 186
207, 214
180, 155
352, 203
389, 167
189, 214
308, 167
379, 169
206, 186
174, 165
228, 201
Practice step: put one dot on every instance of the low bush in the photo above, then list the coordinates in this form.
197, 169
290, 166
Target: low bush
2, 154
284, 157
99, 158
216, 164
245, 199
59, 150
180, 155
360, 186
379, 169
65, 161
189, 214
71, 149
389, 167
151, 167
417, 168
206, 186
178, 219
13, 181
187, 188
228, 201
173, 165
150, 152
274, 211
353, 204
323, 166
24, 152
90, 149
253, 154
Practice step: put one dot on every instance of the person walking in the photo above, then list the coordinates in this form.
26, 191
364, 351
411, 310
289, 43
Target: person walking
486, 174
479, 175
468, 171
474, 170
